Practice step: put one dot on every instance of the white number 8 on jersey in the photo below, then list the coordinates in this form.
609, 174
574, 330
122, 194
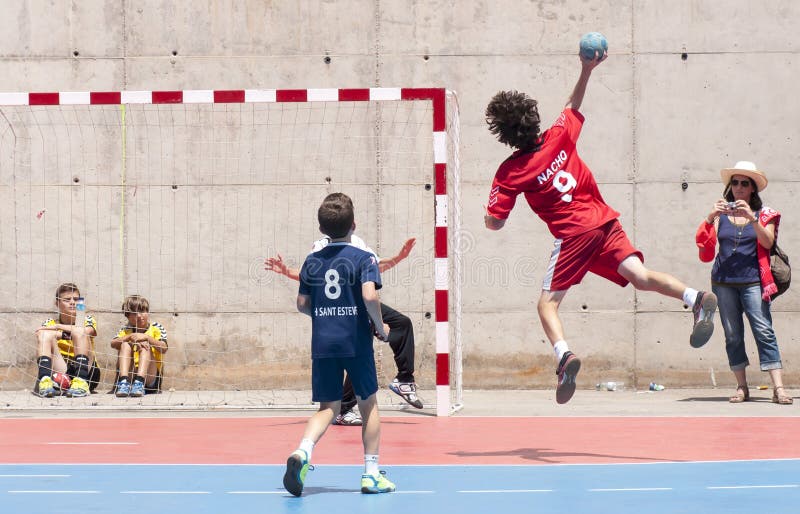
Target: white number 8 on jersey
332, 288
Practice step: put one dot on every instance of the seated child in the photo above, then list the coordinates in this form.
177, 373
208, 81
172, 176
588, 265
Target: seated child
141, 345
65, 344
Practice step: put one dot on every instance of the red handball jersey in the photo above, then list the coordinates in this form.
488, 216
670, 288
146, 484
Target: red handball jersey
557, 184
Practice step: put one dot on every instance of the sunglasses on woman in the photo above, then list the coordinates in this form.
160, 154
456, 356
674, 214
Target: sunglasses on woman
743, 183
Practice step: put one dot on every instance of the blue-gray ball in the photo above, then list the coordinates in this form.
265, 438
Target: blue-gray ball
593, 45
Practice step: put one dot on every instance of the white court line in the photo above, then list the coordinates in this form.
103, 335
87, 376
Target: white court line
632, 489
164, 492
54, 492
755, 486
72, 443
400, 492
509, 491
35, 476
258, 492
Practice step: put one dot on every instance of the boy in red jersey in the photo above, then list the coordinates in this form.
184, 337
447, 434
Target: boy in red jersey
562, 191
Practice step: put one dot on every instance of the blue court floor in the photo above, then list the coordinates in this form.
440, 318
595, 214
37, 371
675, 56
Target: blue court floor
747, 487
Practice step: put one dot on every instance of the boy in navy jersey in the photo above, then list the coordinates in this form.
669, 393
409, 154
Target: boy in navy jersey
558, 186
338, 289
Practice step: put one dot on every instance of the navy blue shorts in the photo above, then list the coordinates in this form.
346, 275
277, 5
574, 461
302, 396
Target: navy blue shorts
327, 376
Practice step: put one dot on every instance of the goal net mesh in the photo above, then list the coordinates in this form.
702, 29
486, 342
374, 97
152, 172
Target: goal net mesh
182, 203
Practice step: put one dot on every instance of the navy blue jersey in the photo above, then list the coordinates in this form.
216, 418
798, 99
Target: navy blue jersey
332, 277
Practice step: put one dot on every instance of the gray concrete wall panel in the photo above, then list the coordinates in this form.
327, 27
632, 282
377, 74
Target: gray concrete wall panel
656, 119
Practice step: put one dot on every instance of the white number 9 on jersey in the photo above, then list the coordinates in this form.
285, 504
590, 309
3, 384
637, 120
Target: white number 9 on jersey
566, 186
332, 288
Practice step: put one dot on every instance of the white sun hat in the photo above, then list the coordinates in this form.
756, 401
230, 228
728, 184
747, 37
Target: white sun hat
748, 169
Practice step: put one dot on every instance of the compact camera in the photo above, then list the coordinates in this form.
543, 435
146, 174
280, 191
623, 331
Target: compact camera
731, 206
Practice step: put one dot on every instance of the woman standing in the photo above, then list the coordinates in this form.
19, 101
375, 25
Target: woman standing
741, 277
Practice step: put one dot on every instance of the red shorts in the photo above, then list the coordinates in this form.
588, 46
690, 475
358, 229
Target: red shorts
600, 250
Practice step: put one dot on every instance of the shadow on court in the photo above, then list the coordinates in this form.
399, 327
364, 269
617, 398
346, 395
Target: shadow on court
551, 456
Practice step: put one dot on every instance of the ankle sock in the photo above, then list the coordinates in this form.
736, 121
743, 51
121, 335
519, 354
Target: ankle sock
689, 296
560, 348
307, 445
371, 465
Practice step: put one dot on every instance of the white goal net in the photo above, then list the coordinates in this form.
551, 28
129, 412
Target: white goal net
180, 196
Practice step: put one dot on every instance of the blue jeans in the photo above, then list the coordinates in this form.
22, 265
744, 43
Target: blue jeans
733, 301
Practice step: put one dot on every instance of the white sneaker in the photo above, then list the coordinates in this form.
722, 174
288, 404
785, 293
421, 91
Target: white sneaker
407, 391
351, 418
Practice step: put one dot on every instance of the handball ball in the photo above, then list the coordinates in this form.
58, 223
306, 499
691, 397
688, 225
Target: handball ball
62, 381
593, 45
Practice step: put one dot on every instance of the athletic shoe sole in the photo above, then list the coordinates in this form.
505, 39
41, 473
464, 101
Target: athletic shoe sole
566, 387
703, 329
291, 479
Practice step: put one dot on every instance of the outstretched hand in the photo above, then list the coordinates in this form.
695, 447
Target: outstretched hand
276, 264
406, 249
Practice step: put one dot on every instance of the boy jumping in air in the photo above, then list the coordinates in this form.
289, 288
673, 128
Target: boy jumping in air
562, 191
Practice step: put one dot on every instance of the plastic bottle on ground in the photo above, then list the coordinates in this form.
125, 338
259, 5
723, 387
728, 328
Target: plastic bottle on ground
608, 386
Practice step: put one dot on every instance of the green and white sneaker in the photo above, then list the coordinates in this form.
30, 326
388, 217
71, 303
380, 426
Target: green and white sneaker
373, 484
296, 468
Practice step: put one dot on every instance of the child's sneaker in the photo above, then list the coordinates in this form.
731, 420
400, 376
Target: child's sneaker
567, 371
406, 391
296, 468
372, 484
137, 390
123, 388
704, 307
79, 388
45, 388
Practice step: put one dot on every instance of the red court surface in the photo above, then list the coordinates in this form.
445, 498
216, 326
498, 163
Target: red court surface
405, 440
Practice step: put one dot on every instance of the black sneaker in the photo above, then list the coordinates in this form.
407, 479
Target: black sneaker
704, 307
567, 371
297, 467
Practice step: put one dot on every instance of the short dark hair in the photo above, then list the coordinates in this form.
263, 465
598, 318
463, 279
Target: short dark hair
755, 202
135, 303
514, 118
67, 287
336, 215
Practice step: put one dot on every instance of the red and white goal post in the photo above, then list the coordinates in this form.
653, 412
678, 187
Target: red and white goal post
180, 196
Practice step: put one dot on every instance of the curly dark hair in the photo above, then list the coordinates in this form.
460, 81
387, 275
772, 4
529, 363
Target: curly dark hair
514, 118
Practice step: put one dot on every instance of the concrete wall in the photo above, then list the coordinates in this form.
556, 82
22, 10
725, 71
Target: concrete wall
691, 86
